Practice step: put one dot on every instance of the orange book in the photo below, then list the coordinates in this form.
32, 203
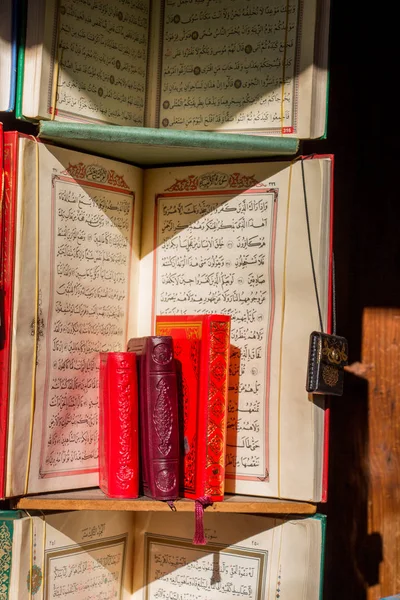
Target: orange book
201, 348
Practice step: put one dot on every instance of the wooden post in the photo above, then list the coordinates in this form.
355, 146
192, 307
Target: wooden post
381, 356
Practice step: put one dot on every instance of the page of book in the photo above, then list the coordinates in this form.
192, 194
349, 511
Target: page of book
220, 65
87, 235
85, 555
24, 534
233, 240
93, 62
245, 557
234, 66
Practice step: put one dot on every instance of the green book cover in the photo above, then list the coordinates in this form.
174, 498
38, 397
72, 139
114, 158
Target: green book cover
7, 518
322, 519
146, 146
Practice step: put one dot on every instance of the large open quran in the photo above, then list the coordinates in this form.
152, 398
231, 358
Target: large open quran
221, 65
100, 248
95, 555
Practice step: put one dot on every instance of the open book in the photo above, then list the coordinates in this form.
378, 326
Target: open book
257, 67
100, 248
144, 556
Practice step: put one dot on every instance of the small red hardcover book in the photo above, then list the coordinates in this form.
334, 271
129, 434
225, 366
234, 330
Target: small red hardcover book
201, 349
118, 434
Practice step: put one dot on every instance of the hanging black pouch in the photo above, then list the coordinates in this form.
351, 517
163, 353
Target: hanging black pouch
328, 355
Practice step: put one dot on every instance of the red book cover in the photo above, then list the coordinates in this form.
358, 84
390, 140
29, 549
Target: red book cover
325, 471
201, 346
7, 219
118, 434
1, 188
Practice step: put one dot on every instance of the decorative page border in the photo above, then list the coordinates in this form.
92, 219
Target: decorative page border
292, 129
221, 549
82, 175
210, 184
53, 73
6, 544
73, 550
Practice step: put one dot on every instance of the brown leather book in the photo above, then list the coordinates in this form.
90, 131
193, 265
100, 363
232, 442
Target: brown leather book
158, 416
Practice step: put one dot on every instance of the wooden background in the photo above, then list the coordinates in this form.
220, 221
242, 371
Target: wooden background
363, 535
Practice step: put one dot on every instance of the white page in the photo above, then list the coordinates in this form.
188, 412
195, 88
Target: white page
234, 66
89, 228
245, 557
102, 57
89, 555
220, 237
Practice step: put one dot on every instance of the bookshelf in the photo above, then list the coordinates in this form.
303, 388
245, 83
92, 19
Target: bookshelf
94, 499
363, 509
342, 500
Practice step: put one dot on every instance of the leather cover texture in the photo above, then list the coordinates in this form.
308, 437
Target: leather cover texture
328, 355
118, 436
158, 410
201, 347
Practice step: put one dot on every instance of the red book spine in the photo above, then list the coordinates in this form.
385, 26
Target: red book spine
1, 193
213, 406
103, 421
201, 347
118, 439
325, 468
187, 355
186, 335
7, 233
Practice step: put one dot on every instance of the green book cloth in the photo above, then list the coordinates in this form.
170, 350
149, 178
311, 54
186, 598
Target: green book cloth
322, 518
146, 146
7, 518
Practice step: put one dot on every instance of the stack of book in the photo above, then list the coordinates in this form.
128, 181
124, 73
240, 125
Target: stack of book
141, 223
177, 389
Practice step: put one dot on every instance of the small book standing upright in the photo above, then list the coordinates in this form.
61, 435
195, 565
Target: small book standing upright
159, 435
201, 345
118, 437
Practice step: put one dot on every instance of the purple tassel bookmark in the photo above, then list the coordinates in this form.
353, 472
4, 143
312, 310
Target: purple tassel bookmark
200, 504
